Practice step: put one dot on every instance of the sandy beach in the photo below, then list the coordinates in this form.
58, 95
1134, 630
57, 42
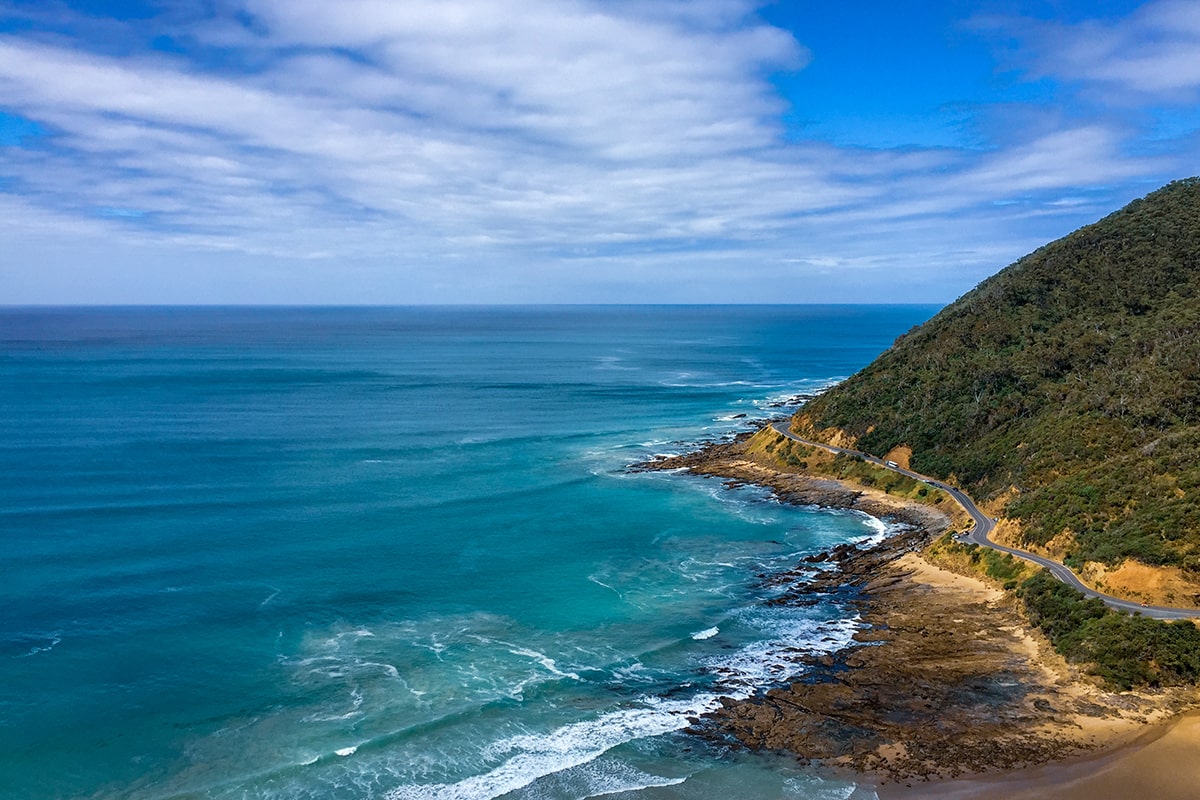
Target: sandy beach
1158, 764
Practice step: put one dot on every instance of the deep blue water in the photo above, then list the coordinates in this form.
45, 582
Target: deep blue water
395, 553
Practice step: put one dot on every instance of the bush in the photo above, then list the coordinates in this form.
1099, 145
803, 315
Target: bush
1125, 650
1002, 566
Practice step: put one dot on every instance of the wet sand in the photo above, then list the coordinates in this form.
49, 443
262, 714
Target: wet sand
1162, 763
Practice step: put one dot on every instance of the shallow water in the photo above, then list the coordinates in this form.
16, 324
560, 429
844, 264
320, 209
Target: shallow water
394, 553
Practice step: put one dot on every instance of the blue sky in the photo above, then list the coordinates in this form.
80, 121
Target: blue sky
494, 151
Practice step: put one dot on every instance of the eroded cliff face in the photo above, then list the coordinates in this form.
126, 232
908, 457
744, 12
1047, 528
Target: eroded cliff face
805, 425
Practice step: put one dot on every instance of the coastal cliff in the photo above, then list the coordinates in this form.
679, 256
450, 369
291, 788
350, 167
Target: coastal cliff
1063, 393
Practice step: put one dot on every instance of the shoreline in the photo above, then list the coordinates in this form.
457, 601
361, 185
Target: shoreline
948, 693
1157, 762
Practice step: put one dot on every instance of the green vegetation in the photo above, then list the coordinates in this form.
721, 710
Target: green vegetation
789, 455
1072, 375
864, 473
998, 566
1125, 650
968, 558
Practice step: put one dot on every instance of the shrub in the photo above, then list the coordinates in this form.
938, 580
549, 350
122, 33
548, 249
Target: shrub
1126, 650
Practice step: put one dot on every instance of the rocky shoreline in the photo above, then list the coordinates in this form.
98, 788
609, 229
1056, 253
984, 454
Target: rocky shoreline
727, 460
946, 678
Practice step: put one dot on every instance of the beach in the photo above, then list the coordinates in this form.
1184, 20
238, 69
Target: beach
948, 692
1157, 763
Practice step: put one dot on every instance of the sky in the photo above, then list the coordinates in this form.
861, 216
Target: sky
572, 151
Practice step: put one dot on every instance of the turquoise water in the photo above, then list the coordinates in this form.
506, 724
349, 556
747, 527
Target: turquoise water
395, 553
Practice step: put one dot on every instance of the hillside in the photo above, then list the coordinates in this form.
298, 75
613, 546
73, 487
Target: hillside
1065, 389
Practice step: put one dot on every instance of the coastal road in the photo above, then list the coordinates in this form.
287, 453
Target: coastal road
984, 525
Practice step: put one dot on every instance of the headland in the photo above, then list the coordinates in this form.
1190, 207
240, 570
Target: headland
949, 691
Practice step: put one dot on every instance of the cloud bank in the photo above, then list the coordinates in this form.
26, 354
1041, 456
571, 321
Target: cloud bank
471, 151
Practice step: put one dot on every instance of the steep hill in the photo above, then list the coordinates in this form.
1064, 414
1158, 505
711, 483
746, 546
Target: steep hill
1066, 389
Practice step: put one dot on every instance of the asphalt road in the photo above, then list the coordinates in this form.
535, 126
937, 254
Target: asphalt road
983, 526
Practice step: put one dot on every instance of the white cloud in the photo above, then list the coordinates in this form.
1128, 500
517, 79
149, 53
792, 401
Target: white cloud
1155, 51
479, 122
1074, 157
521, 150
566, 75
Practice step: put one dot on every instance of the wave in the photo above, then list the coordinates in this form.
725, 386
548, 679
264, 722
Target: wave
614, 363
529, 757
274, 593
547, 663
880, 530
679, 382
558, 754
796, 394
772, 659
28, 645
430, 668
564, 757
468, 686
604, 777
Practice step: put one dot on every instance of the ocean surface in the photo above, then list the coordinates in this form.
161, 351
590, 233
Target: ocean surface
396, 552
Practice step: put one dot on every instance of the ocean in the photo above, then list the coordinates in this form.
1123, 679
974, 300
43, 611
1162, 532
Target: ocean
397, 552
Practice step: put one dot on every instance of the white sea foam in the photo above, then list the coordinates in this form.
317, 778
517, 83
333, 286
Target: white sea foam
356, 701
614, 363
808, 388
270, 597
533, 756
880, 531
599, 582
51, 641
548, 663
751, 505
604, 777
504, 662
633, 673
680, 382
772, 658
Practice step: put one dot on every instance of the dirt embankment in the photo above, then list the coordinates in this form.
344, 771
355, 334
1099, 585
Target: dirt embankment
1130, 579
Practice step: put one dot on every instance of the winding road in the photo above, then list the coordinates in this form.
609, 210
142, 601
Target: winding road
984, 525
